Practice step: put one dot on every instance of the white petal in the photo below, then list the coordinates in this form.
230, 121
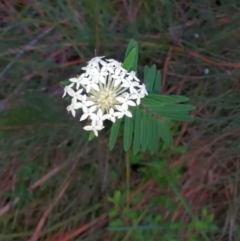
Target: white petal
125, 106
84, 116
93, 117
73, 112
117, 82
102, 79
92, 108
130, 102
85, 109
88, 88
128, 113
89, 103
95, 132
99, 112
95, 87
113, 119
121, 99
117, 71
107, 117
118, 107
77, 105
84, 98
119, 115
88, 128
74, 80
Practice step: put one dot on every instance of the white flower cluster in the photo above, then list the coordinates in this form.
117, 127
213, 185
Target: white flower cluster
104, 92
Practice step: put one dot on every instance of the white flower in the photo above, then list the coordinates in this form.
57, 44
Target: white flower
96, 61
125, 100
115, 63
85, 103
76, 81
90, 84
123, 111
88, 112
126, 83
118, 77
136, 97
76, 95
95, 127
142, 91
99, 116
99, 75
132, 76
112, 114
104, 91
68, 89
73, 107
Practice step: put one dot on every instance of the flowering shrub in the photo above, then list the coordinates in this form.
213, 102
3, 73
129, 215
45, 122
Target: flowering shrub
110, 90
104, 91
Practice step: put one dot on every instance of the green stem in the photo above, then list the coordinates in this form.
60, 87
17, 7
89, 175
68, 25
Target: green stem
127, 180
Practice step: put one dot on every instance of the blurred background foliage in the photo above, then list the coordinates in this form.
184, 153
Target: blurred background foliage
55, 185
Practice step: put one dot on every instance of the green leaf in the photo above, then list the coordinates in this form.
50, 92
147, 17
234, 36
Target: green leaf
179, 149
144, 130
137, 131
65, 82
129, 61
170, 108
114, 133
91, 136
175, 116
165, 132
157, 82
128, 132
150, 102
132, 45
149, 81
169, 98
113, 213
149, 131
116, 197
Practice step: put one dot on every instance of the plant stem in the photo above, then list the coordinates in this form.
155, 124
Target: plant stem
127, 180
